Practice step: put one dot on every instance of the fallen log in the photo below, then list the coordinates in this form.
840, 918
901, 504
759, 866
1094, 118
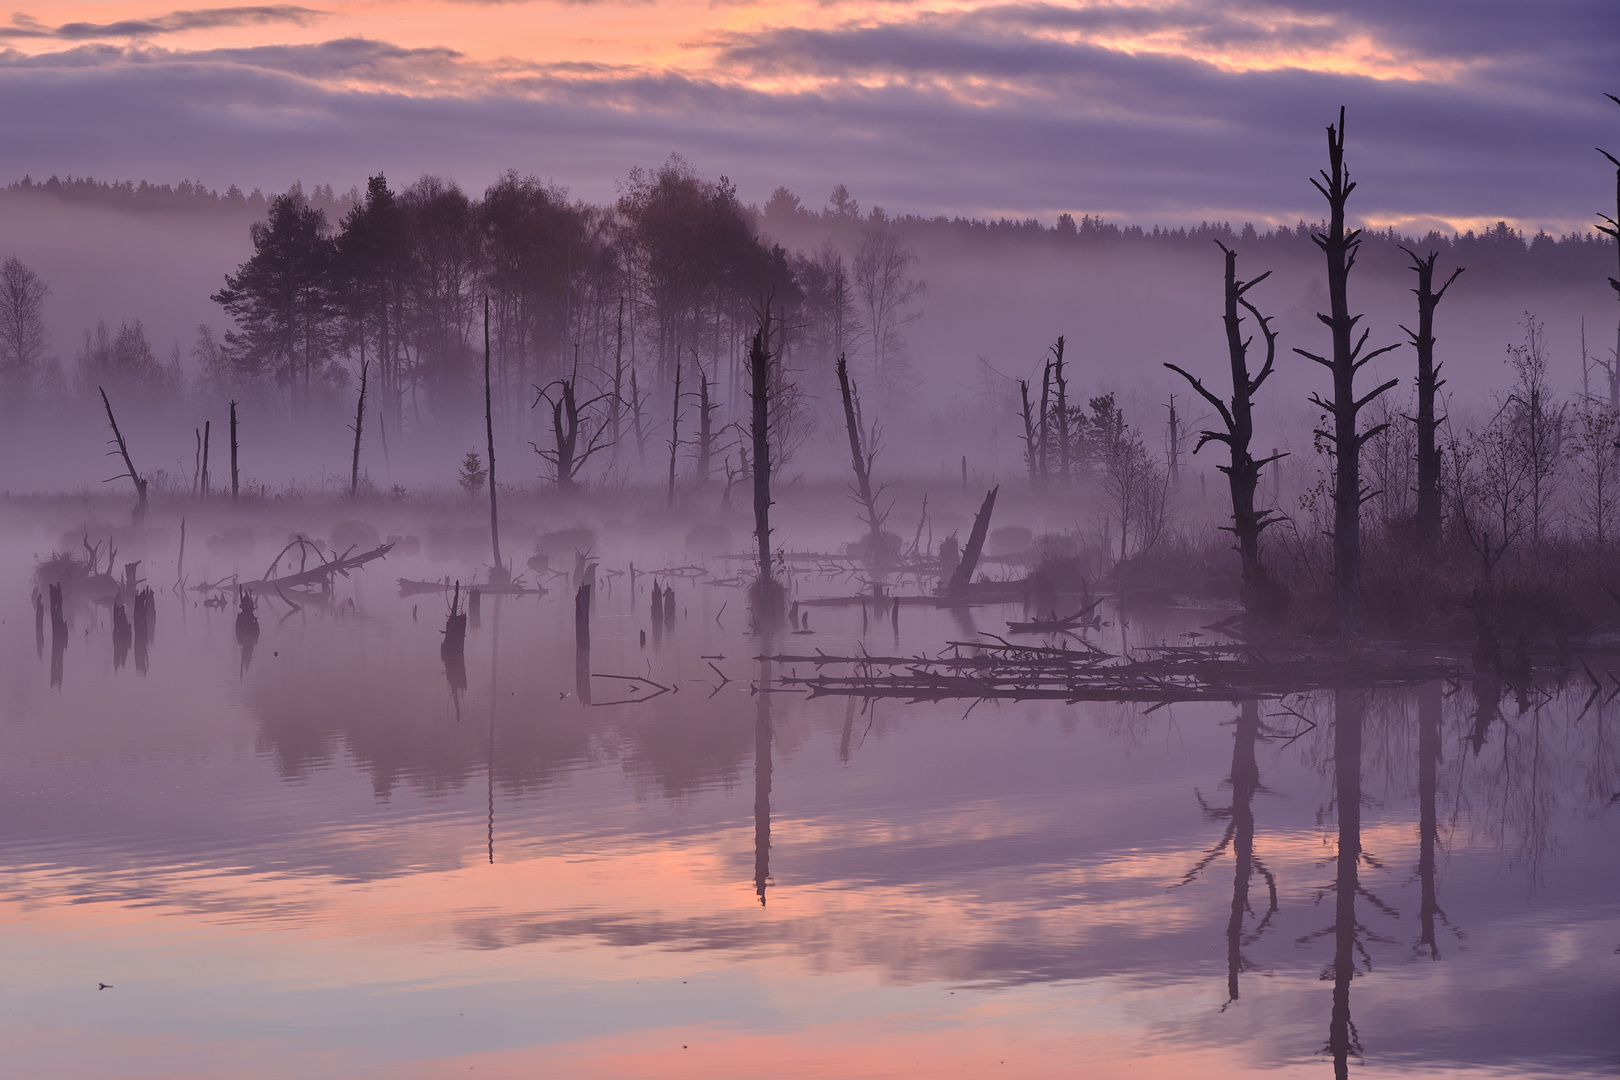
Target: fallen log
322, 574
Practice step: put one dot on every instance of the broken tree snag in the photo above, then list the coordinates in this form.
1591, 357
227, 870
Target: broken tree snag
121, 634
498, 573
1030, 449
1429, 383
359, 424
129, 466
59, 627
669, 606
1062, 385
234, 487
862, 457
208, 431
582, 615
247, 619
962, 577
767, 592
455, 627
1242, 471
145, 614
144, 620
706, 438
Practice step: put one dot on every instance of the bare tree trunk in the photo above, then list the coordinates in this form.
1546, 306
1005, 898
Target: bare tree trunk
1428, 385
359, 425
1345, 408
1031, 448
1046, 422
859, 458
123, 451
1062, 410
674, 432
235, 489
705, 452
497, 573
767, 592
1242, 471
963, 575
208, 431
616, 403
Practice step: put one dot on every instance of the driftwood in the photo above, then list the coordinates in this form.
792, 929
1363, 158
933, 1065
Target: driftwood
1021, 672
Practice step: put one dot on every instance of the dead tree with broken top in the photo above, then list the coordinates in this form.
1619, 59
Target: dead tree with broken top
123, 451
1428, 386
1345, 360
863, 450
767, 592
962, 576
1243, 469
359, 425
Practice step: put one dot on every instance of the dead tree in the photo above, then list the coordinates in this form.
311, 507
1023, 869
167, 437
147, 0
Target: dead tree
674, 433
359, 424
616, 402
234, 488
129, 466
208, 426
1243, 470
568, 457
1031, 447
767, 592
962, 576
863, 450
1065, 456
1046, 421
1428, 385
1611, 228
706, 433
636, 427
1347, 358
498, 574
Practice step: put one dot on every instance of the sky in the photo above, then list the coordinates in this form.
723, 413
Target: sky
1461, 112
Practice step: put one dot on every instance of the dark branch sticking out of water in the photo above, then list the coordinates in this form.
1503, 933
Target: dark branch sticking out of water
978, 670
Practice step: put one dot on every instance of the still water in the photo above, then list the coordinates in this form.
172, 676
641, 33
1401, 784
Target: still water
329, 860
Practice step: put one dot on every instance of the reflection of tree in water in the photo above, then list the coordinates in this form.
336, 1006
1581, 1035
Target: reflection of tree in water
334, 695
1244, 780
1430, 754
1350, 955
1519, 770
762, 782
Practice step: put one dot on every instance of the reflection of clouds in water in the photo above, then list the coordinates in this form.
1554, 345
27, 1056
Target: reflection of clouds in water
329, 793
